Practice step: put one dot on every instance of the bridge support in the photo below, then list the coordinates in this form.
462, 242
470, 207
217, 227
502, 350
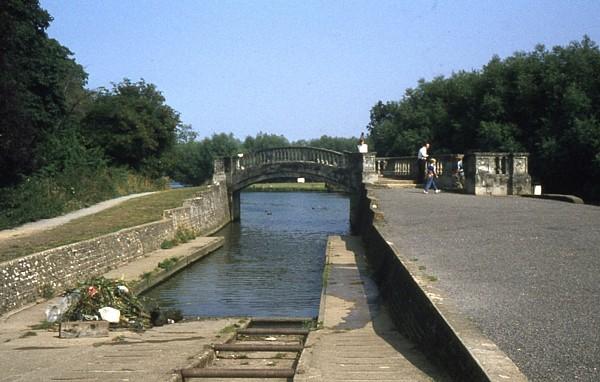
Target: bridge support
234, 205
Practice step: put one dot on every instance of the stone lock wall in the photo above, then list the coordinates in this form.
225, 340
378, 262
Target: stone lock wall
421, 312
23, 280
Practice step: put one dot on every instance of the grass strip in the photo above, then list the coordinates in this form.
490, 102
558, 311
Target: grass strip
128, 214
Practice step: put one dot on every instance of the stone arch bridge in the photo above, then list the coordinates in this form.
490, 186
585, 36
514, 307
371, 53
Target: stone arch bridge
346, 171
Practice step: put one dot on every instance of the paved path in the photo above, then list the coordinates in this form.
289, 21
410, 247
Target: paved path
358, 341
44, 224
526, 271
39, 355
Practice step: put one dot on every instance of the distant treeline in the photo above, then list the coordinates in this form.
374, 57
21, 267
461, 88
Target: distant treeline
545, 102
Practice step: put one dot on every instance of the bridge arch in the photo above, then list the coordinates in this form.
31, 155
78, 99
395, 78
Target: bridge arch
347, 171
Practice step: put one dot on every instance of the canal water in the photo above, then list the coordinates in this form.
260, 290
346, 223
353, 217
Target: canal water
271, 263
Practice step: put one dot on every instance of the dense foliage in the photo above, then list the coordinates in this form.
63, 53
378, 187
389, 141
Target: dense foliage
63, 147
340, 144
545, 102
191, 162
38, 81
132, 124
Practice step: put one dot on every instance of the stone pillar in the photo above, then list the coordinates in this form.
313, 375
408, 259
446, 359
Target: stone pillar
219, 175
369, 170
520, 180
486, 173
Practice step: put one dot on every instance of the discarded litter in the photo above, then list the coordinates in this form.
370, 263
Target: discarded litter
111, 300
55, 312
110, 314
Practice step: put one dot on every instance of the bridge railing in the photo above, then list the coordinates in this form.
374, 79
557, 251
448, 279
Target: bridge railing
397, 167
407, 168
290, 154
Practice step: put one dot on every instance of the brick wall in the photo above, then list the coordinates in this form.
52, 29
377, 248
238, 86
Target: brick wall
23, 280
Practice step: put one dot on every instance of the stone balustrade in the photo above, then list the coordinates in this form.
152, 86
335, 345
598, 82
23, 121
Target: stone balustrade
485, 173
290, 154
497, 173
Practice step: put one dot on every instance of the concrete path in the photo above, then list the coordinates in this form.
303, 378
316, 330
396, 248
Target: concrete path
39, 355
44, 224
357, 341
525, 271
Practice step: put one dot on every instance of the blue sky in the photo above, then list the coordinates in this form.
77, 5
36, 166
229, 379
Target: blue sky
300, 68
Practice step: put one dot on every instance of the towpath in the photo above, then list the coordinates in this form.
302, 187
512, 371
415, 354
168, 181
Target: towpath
525, 271
44, 224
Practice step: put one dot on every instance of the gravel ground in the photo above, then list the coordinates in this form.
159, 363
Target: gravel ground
526, 271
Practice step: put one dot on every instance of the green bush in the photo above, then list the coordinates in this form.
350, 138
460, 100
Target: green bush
168, 264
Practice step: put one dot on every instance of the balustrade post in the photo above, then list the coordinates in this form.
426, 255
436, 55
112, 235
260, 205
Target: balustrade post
519, 178
369, 175
219, 168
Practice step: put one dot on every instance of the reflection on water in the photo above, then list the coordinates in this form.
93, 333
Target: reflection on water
271, 263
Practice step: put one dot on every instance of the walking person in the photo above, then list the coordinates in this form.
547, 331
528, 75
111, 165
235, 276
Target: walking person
431, 177
422, 161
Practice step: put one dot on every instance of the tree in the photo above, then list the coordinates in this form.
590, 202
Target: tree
264, 141
192, 162
132, 124
331, 143
38, 84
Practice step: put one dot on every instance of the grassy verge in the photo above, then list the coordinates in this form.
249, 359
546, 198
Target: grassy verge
127, 214
287, 187
49, 194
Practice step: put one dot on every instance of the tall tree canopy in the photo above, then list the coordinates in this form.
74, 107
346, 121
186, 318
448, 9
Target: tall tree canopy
132, 124
546, 102
39, 81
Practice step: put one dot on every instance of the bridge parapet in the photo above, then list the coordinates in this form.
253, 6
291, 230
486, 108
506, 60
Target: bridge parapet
291, 154
497, 173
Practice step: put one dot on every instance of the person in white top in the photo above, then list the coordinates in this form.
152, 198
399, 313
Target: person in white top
422, 160
362, 145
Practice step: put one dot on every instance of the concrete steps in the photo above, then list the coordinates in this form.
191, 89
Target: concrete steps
383, 182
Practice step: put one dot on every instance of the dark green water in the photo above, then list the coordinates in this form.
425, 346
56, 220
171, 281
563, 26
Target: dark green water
271, 263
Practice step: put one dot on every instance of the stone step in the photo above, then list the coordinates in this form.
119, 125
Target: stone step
395, 183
